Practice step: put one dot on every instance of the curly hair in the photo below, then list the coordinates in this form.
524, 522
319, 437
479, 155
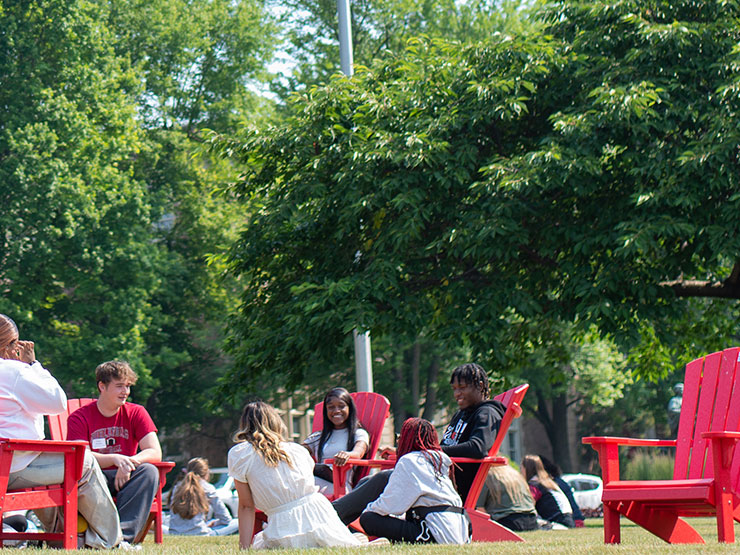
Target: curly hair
189, 498
262, 426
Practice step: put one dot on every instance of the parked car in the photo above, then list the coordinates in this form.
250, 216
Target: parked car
587, 489
225, 489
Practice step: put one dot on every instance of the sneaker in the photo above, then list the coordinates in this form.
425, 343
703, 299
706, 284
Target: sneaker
128, 547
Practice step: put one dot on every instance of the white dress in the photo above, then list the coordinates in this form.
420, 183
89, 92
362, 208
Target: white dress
297, 515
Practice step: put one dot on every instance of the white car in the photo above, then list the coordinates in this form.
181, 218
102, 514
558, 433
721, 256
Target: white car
225, 489
587, 489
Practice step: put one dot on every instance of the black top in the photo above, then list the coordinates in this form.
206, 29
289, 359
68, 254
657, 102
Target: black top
471, 433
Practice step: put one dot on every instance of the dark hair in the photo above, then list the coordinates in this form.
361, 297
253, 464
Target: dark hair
473, 374
418, 434
352, 423
550, 467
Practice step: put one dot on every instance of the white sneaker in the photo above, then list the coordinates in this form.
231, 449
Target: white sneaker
128, 547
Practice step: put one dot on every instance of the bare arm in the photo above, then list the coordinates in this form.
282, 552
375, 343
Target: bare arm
150, 452
358, 451
246, 514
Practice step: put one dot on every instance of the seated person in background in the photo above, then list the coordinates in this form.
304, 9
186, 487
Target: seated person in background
549, 500
115, 430
193, 499
341, 438
27, 392
419, 487
506, 497
276, 476
471, 433
554, 470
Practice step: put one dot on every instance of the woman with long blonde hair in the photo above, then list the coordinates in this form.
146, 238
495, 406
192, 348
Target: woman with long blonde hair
276, 477
506, 497
550, 502
195, 508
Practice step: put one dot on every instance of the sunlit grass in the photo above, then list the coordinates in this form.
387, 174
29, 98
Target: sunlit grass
582, 540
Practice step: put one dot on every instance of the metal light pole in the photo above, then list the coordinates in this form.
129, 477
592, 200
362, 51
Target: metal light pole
363, 351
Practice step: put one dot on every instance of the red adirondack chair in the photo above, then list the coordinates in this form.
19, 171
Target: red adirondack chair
484, 529
62, 495
58, 431
372, 412
706, 471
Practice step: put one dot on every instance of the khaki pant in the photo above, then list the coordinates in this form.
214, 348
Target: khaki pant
94, 501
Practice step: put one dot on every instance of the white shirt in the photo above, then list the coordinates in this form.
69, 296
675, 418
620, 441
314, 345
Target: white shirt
414, 482
27, 393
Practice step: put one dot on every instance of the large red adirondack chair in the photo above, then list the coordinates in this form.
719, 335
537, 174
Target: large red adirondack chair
62, 495
372, 412
58, 431
484, 529
706, 471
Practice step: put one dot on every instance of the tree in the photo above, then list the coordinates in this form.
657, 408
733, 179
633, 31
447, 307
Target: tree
569, 177
75, 262
380, 27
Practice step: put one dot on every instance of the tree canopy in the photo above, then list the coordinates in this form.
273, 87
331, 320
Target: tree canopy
587, 175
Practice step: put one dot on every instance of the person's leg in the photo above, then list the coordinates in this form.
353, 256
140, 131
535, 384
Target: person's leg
228, 529
44, 470
395, 529
519, 522
350, 507
16, 522
134, 500
95, 504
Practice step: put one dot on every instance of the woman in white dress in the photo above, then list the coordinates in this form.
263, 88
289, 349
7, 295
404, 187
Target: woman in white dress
276, 477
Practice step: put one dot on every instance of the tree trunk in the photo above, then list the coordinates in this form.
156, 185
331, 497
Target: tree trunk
559, 438
430, 405
397, 401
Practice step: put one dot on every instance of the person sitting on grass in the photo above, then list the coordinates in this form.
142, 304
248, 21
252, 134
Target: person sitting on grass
507, 499
549, 500
196, 509
421, 488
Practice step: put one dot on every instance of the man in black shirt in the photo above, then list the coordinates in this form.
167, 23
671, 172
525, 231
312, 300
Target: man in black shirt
471, 433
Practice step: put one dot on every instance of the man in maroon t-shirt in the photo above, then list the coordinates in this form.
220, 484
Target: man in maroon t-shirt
123, 439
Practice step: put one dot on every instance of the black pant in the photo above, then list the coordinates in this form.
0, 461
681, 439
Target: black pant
519, 522
395, 529
350, 507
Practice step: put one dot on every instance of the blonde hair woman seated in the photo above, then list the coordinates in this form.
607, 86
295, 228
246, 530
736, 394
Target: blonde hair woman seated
549, 500
506, 497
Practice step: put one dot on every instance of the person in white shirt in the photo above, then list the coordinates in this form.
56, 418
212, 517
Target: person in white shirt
27, 392
421, 488
341, 438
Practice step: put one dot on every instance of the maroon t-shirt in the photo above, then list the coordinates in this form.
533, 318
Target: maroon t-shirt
117, 434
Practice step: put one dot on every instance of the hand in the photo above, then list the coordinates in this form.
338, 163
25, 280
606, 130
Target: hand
340, 459
387, 452
25, 351
126, 465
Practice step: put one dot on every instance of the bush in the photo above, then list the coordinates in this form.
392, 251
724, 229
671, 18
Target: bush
649, 466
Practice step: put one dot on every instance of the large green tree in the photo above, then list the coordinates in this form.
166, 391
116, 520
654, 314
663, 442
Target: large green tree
574, 176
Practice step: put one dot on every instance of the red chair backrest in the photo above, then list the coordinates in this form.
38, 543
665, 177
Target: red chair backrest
711, 402
512, 400
58, 422
372, 412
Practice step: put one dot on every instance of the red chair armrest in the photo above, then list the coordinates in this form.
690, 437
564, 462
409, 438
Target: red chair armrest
339, 473
721, 435
630, 441
44, 445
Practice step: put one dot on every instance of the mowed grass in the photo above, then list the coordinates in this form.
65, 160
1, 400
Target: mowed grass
582, 540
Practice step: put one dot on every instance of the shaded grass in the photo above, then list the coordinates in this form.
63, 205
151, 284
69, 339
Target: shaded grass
582, 540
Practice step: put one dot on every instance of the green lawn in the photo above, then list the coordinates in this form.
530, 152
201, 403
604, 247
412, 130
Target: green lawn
582, 540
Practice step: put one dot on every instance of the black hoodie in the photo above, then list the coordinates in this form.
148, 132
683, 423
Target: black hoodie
471, 433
